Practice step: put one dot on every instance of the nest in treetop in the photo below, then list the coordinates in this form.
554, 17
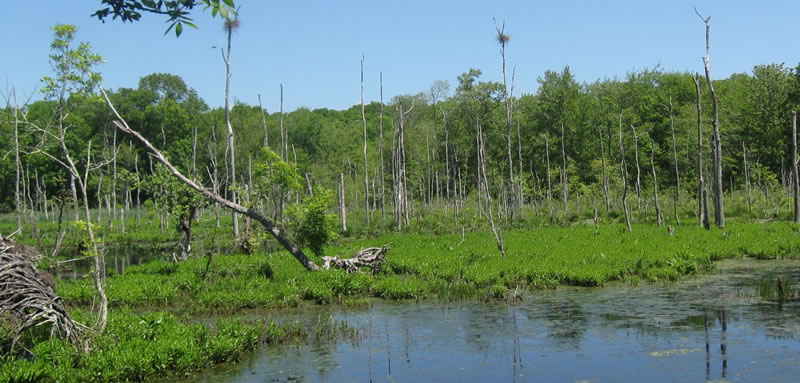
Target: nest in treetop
231, 24
502, 38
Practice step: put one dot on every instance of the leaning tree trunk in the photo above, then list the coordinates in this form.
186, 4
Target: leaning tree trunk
270, 227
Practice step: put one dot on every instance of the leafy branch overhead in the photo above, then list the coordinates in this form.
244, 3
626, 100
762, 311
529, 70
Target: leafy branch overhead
177, 11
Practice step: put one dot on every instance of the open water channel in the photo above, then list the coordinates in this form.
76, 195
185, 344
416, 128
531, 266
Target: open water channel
714, 327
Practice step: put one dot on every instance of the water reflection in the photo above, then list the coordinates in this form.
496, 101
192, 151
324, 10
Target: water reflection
710, 328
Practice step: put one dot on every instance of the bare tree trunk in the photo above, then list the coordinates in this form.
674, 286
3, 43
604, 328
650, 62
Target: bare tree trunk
446, 160
284, 137
342, 208
624, 173
659, 214
496, 230
270, 227
747, 179
263, 122
638, 185
231, 148
716, 141
547, 153
380, 149
503, 39
605, 175
565, 183
366, 167
702, 195
795, 187
17, 164
676, 197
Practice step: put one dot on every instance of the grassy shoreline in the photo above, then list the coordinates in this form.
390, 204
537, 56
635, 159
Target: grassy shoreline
144, 341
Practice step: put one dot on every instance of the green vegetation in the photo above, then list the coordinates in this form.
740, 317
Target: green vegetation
135, 347
423, 266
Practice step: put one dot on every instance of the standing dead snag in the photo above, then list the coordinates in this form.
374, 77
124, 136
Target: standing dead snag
624, 172
496, 230
795, 187
230, 25
716, 141
366, 167
702, 194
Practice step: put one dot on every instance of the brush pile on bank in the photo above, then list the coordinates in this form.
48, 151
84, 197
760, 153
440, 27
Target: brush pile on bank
27, 296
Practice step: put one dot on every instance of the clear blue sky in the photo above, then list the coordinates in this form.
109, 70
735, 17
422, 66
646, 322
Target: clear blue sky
314, 47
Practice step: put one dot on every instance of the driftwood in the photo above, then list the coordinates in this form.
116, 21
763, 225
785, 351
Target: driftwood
27, 296
371, 257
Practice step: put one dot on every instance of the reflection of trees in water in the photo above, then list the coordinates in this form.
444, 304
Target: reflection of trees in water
565, 321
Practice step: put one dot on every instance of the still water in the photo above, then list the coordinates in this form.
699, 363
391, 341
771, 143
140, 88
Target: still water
713, 327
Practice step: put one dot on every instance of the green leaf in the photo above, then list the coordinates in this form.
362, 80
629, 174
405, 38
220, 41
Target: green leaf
229, 3
178, 29
149, 3
223, 12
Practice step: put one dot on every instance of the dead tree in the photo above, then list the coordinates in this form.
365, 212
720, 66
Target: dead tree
263, 122
366, 167
399, 170
716, 141
603, 165
496, 230
659, 215
676, 196
796, 186
564, 181
270, 227
624, 172
638, 184
342, 208
230, 25
380, 149
747, 179
702, 194
503, 39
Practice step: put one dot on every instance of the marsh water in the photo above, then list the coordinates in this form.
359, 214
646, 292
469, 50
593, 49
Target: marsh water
709, 328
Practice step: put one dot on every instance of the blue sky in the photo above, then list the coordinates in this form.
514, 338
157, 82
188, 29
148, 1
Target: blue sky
314, 47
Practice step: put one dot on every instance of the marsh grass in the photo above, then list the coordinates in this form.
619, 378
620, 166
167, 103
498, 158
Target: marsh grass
136, 347
422, 266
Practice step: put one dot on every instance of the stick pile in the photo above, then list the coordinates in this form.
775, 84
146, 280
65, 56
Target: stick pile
27, 299
371, 257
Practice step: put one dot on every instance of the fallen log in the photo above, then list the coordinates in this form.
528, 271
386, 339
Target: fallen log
371, 257
28, 298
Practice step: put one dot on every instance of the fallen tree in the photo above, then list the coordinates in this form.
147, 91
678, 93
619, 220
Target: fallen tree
273, 229
28, 298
